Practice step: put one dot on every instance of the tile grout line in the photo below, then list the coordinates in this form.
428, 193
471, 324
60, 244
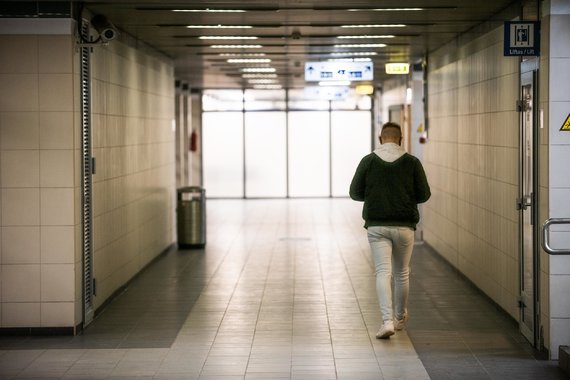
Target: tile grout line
326, 303
260, 306
247, 258
340, 254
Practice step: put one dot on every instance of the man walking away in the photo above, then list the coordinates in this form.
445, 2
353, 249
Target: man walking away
391, 183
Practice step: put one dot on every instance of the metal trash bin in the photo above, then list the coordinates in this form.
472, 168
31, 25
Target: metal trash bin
191, 217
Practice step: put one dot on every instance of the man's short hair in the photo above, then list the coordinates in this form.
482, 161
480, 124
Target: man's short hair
391, 131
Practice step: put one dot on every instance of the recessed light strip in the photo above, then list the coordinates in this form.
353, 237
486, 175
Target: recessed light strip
219, 26
259, 76
258, 70
353, 53
242, 54
374, 26
249, 60
268, 87
367, 36
359, 45
236, 46
228, 38
263, 81
349, 60
385, 9
208, 10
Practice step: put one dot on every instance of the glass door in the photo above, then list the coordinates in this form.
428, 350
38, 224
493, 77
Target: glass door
527, 206
223, 153
309, 154
265, 155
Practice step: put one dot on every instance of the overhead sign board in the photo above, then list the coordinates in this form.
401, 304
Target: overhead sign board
397, 68
522, 38
338, 71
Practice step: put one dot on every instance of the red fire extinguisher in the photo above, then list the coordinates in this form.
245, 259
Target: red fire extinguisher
193, 141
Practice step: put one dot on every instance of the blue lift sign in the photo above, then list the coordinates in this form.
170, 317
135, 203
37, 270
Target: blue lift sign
522, 38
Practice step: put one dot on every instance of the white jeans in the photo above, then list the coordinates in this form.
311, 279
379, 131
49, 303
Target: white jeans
392, 250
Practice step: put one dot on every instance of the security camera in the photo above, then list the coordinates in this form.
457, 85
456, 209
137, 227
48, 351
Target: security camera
107, 31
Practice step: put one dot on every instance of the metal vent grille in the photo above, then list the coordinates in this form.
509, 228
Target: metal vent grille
87, 184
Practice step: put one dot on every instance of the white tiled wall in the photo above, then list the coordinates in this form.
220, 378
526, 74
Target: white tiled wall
40, 173
471, 162
556, 185
133, 143
37, 181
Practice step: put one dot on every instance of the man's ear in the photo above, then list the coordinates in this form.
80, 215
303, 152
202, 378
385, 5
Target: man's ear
380, 139
400, 142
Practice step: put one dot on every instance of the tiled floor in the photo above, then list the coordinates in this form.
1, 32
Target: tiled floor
284, 290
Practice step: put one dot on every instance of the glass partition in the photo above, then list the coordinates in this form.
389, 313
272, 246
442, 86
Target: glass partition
299, 100
222, 143
222, 100
350, 141
353, 102
309, 150
264, 100
267, 151
265, 154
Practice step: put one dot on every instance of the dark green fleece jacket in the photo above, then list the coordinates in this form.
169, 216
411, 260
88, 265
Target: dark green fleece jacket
391, 191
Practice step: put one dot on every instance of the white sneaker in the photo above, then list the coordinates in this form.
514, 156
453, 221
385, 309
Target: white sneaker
386, 330
399, 324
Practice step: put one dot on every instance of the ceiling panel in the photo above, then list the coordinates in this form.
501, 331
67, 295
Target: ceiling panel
293, 32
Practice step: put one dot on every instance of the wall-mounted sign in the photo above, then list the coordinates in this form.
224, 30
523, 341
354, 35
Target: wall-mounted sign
397, 68
335, 71
522, 38
566, 124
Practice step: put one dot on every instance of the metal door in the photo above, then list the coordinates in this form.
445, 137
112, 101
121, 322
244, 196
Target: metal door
87, 182
527, 203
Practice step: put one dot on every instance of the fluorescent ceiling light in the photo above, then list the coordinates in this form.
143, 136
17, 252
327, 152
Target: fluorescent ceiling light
258, 70
219, 26
359, 45
385, 9
349, 60
261, 76
242, 54
335, 83
361, 53
263, 81
374, 26
367, 36
236, 46
208, 10
268, 86
228, 38
249, 60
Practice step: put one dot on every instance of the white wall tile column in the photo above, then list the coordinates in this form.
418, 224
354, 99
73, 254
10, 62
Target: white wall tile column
557, 102
37, 174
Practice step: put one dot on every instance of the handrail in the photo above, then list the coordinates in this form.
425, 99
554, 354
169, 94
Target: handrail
546, 236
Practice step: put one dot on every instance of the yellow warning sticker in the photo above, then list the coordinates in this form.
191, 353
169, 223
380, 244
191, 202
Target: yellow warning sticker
566, 125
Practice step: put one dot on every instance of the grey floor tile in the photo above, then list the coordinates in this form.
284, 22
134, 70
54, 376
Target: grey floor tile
286, 292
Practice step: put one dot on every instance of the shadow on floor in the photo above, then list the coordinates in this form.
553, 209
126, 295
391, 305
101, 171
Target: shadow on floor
460, 333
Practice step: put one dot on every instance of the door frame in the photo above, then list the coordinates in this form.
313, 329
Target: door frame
529, 71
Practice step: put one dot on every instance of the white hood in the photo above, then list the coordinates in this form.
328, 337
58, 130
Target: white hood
390, 152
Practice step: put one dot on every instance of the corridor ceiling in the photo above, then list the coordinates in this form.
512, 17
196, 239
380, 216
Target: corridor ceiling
290, 33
